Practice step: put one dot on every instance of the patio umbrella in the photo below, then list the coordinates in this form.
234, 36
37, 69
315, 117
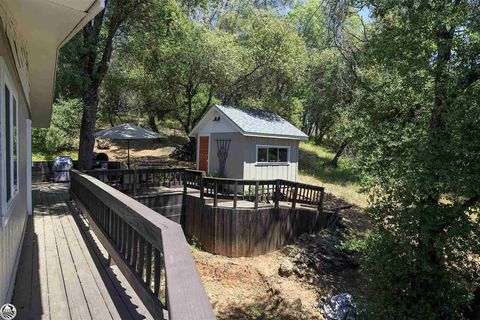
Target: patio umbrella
128, 132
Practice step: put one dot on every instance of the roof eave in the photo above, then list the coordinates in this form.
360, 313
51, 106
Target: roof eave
274, 136
42, 77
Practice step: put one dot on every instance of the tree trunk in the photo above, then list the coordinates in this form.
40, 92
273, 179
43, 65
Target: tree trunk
87, 129
94, 70
152, 123
321, 131
111, 117
341, 149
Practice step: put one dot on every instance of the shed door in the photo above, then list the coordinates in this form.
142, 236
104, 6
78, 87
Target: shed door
203, 154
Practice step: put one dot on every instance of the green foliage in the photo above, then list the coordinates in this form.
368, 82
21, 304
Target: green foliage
63, 131
342, 181
179, 67
313, 159
357, 243
215, 174
419, 155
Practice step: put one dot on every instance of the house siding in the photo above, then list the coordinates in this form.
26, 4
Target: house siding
11, 234
266, 172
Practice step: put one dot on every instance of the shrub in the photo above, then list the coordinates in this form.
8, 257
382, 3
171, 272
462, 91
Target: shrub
63, 131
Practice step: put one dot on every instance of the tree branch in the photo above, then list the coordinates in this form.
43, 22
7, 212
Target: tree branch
472, 201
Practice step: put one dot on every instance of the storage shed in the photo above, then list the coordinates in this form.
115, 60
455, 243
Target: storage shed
244, 143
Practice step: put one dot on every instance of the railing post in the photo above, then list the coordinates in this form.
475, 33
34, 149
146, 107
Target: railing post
235, 191
294, 200
320, 202
134, 182
215, 194
184, 172
256, 195
201, 187
277, 193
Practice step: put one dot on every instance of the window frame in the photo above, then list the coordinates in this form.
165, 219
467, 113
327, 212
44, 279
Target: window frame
273, 163
6, 205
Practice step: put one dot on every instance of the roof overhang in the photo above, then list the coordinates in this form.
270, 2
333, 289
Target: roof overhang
275, 136
46, 25
205, 118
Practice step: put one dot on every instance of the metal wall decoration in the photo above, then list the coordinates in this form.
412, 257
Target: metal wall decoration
222, 153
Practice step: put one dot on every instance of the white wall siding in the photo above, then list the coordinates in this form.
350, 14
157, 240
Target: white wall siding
234, 162
11, 234
221, 125
252, 170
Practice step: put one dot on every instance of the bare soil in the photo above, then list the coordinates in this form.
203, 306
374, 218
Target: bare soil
143, 152
251, 288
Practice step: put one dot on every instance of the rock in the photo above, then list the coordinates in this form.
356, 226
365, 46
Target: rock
286, 268
339, 307
304, 237
300, 272
297, 304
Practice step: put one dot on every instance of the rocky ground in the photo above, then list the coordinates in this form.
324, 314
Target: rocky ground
288, 283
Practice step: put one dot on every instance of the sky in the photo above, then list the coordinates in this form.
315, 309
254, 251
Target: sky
365, 13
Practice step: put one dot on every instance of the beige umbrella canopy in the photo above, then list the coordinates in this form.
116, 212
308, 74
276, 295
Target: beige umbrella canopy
128, 132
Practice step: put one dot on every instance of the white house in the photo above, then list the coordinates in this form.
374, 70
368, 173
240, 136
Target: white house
247, 144
31, 33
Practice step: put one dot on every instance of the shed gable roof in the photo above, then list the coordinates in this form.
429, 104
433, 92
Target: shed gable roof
254, 122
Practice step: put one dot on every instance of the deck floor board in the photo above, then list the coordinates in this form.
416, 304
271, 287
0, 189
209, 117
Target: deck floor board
63, 272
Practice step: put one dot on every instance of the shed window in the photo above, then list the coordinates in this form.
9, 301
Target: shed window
262, 155
272, 154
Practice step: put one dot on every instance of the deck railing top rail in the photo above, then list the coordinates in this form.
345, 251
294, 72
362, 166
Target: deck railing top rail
147, 247
133, 181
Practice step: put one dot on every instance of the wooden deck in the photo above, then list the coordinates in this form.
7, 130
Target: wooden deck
64, 271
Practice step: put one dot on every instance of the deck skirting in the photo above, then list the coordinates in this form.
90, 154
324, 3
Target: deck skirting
247, 232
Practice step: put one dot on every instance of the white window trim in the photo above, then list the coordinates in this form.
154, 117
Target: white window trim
7, 206
272, 163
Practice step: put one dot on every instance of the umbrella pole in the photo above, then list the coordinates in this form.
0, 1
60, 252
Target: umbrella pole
128, 154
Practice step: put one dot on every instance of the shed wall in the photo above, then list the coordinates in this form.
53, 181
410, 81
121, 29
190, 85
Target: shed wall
235, 160
220, 126
252, 170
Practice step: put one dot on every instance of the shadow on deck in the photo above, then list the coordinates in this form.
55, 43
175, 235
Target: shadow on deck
64, 272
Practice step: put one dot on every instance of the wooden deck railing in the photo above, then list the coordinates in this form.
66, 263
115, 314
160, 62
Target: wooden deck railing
149, 249
261, 191
134, 182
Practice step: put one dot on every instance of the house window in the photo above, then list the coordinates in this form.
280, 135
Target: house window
11, 146
272, 154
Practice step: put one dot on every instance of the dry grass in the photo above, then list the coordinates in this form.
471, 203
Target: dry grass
342, 181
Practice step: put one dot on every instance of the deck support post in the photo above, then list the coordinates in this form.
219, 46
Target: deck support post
201, 188
320, 202
215, 194
256, 194
294, 200
134, 182
276, 196
235, 194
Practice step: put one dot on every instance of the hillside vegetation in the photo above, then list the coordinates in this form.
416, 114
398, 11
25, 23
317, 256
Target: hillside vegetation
342, 181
